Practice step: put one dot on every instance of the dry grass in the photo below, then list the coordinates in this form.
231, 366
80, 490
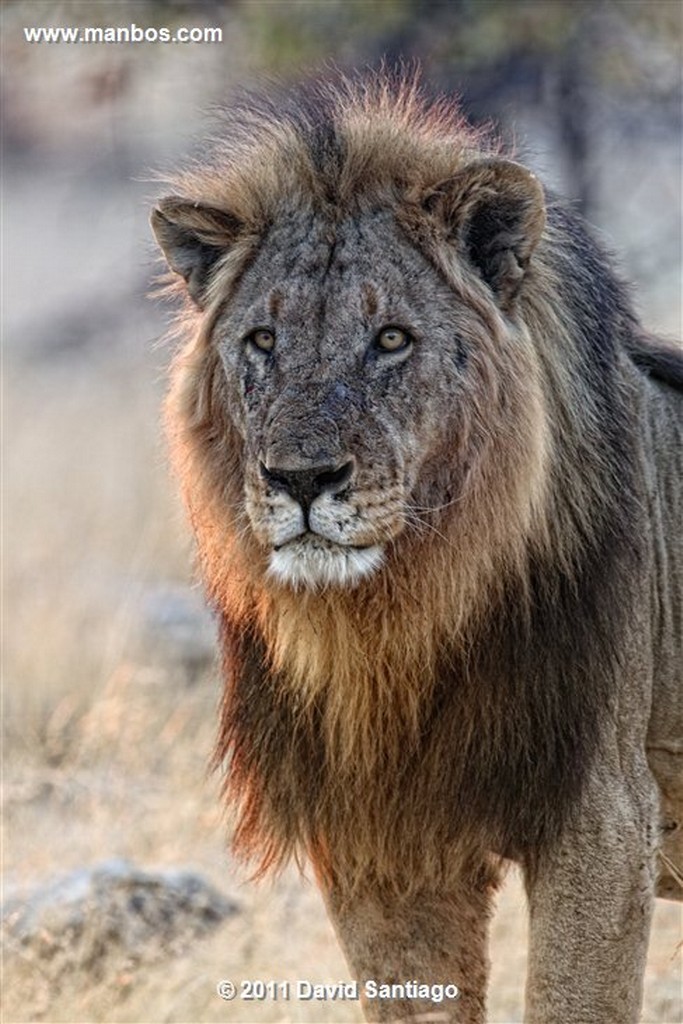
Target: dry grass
106, 750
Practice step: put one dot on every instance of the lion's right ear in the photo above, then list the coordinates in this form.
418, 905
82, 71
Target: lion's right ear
192, 237
494, 210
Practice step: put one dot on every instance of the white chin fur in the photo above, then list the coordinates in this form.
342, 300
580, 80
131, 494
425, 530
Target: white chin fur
302, 564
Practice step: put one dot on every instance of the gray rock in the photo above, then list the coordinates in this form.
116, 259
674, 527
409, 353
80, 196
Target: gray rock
177, 630
111, 916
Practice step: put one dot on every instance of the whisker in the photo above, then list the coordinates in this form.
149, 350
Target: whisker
415, 522
437, 508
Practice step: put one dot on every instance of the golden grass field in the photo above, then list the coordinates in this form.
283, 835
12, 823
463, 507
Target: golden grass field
106, 746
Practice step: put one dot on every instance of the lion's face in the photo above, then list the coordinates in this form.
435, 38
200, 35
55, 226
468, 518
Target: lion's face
364, 379
345, 373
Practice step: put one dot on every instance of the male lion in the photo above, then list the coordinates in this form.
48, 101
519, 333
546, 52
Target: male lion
434, 469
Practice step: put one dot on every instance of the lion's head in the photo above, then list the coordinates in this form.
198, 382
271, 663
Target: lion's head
359, 304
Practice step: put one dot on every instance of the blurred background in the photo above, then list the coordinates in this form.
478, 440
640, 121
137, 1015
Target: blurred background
120, 899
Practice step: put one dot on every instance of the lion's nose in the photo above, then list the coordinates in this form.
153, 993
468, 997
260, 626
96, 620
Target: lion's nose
305, 485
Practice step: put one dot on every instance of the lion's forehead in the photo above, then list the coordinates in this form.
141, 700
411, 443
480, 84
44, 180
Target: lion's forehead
324, 270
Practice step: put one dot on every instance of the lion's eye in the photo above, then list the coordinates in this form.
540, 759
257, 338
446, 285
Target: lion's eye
262, 339
392, 339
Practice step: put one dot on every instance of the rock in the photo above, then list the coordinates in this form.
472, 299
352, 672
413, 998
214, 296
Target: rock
177, 630
112, 916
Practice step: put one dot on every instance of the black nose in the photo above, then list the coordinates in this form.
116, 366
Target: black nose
305, 485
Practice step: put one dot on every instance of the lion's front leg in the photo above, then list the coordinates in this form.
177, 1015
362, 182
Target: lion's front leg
591, 902
434, 937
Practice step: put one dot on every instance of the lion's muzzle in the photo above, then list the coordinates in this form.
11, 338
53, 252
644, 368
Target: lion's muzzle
305, 485
315, 552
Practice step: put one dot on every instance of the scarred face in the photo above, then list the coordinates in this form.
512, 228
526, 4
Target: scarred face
364, 377
344, 371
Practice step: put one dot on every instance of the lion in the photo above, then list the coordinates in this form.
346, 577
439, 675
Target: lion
433, 464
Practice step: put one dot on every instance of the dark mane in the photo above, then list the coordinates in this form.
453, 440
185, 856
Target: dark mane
663, 362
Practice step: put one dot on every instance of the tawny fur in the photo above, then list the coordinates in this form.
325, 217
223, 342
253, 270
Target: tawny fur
453, 705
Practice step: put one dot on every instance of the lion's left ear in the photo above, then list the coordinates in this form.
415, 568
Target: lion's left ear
495, 210
192, 237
